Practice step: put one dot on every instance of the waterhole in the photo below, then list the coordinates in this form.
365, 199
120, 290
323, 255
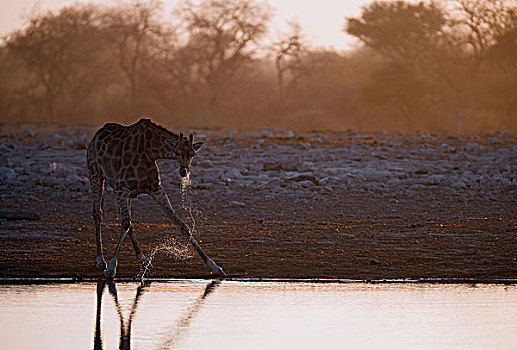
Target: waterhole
199, 314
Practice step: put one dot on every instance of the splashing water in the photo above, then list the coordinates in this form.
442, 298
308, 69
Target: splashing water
178, 250
175, 249
185, 183
172, 247
186, 202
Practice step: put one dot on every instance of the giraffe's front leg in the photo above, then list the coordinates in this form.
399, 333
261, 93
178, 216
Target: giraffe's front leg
216, 269
111, 269
161, 197
100, 263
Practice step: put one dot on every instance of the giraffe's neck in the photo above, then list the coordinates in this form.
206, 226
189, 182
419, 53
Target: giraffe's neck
160, 145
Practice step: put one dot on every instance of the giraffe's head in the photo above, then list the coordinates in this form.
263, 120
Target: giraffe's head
184, 150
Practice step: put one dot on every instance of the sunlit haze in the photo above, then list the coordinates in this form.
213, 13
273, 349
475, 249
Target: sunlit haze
322, 20
289, 65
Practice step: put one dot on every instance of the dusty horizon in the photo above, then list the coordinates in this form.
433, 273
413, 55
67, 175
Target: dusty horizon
416, 68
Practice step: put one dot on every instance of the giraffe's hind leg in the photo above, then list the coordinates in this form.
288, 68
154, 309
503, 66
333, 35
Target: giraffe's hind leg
125, 218
134, 241
139, 255
98, 190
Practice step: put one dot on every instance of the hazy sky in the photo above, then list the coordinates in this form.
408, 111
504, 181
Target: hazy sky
322, 20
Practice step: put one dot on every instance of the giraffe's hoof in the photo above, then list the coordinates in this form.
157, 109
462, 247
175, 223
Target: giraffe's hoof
100, 263
109, 273
219, 272
112, 269
216, 270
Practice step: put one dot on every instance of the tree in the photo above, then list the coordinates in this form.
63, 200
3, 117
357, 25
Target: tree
48, 49
505, 48
132, 29
411, 36
396, 89
480, 24
325, 95
503, 54
222, 37
482, 32
288, 53
398, 30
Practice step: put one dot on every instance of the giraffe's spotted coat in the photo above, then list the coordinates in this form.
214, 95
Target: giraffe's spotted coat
125, 158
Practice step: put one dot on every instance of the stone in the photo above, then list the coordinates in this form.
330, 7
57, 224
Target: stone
7, 174
471, 251
13, 215
458, 185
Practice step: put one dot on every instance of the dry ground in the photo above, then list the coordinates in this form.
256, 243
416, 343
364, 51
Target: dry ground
275, 204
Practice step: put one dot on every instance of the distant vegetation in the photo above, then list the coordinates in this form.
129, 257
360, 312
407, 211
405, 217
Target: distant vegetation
448, 67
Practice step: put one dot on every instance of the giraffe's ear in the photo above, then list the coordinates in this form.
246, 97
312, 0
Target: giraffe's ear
197, 146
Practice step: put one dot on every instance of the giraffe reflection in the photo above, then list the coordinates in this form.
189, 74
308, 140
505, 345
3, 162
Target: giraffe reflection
125, 327
172, 335
176, 333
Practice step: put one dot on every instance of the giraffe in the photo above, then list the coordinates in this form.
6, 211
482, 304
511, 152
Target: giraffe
124, 157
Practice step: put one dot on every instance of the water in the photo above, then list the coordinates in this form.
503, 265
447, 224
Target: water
258, 315
186, 203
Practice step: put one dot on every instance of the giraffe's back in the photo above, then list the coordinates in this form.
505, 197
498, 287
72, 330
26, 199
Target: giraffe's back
103, 148
117, 154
